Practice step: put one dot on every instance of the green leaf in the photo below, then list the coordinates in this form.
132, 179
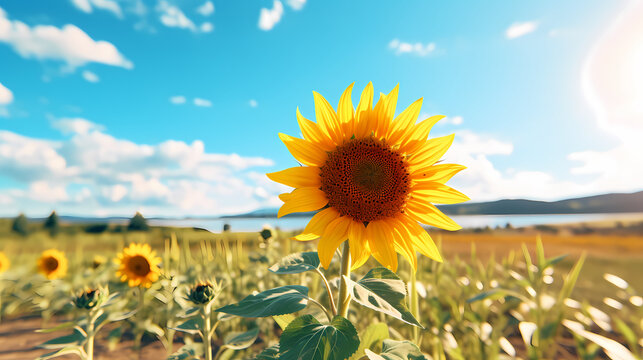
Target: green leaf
555, 260
397, 350
240, 340
278, 301
271, 353
570, 279
192, 326
626, 331
189, 312
283, 320
188, 352
74, 339
65, 351
371, 339
306, 338
296, 263
63, 326
382, 290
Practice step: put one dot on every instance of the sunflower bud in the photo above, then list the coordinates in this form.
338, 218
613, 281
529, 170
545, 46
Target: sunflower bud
266, 233
90, 298
202, 293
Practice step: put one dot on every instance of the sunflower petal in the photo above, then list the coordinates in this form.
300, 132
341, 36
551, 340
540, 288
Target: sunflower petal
432, 151
327, 118
381, 243
304, 151
421, 239
316, 226
403, 122
363, 112
402, 242
438, 173
336, 232
302, 200
435, 192
418, 135
358, 244
313, 133
297, 177
430, 215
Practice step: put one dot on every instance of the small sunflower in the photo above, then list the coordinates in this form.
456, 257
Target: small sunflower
4, 262
374, 177
138, 265
52, 264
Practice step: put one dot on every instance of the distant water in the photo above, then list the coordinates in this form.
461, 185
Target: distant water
466, 221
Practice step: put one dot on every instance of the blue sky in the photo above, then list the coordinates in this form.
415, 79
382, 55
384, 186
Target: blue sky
173, 108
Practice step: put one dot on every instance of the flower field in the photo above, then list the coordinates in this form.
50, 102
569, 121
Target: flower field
488, 299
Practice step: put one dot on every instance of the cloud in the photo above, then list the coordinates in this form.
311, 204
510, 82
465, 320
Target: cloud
109, 5
519, 29
206, 27
90, 76
6, 96
296, 4
178, 99
253, 103
268, 18
92, 172
454, 120
69, 44
172, 16
418, 49
206, 9
202, 102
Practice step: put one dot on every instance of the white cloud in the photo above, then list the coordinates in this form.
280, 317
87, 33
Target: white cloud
268, 18
206, 27
202, 102
253, 103
455, 120
172, 16
419, 49
178, 99
68, 44
296, 4
519, 29
6, 96
109, 5
90, 76
206, 9
92, 172
75, 126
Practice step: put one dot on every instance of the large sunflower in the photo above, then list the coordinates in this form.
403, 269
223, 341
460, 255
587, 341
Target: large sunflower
138, 265
52, 264
373, 176
4, 262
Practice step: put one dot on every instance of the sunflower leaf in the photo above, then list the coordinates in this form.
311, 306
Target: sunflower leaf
382, 290
240, 340
307, 338
270, 353
278, 301
296, 263
74, 339
397, 350
192, 326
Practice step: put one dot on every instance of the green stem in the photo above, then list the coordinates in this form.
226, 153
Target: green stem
345, 270
89, 348
415, 306
207, 334
333, 308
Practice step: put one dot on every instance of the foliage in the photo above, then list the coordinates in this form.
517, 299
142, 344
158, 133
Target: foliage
138, 223
52, 224
20, 225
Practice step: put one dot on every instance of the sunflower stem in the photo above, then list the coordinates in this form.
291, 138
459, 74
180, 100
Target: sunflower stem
415, 305
333, 308
345, 271
207, 333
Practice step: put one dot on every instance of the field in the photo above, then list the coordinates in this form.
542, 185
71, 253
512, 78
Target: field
497, 295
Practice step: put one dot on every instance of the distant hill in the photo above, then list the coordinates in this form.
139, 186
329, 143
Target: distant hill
606, 203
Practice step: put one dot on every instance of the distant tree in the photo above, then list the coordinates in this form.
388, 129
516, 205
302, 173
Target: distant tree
52, 224
20, 225
96, 228
138, 223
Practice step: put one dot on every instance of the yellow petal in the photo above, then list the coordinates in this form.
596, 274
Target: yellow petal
363, 111
313, 133
420, 239
336, 232
430, 215
358, 244
438, 173
402, 242
304, 151
327, 118
297, 177
385, 110
435, 192
380, 241
316, 226
418, 135
302, 200
403, 122
432, 151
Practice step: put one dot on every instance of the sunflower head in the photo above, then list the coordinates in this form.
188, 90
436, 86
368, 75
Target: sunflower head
97, 261
373, 176
90, 298
138, 265
202, 293
53, 264
4, 262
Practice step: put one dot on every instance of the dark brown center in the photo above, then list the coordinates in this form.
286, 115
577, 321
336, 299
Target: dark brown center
365, 179
139, 265
51, 264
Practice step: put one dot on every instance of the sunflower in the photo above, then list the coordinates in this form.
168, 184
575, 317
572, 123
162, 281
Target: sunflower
374, 177
4, 262
138, 265
52, 264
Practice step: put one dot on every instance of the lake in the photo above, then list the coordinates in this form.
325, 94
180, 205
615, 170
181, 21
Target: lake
466, 221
